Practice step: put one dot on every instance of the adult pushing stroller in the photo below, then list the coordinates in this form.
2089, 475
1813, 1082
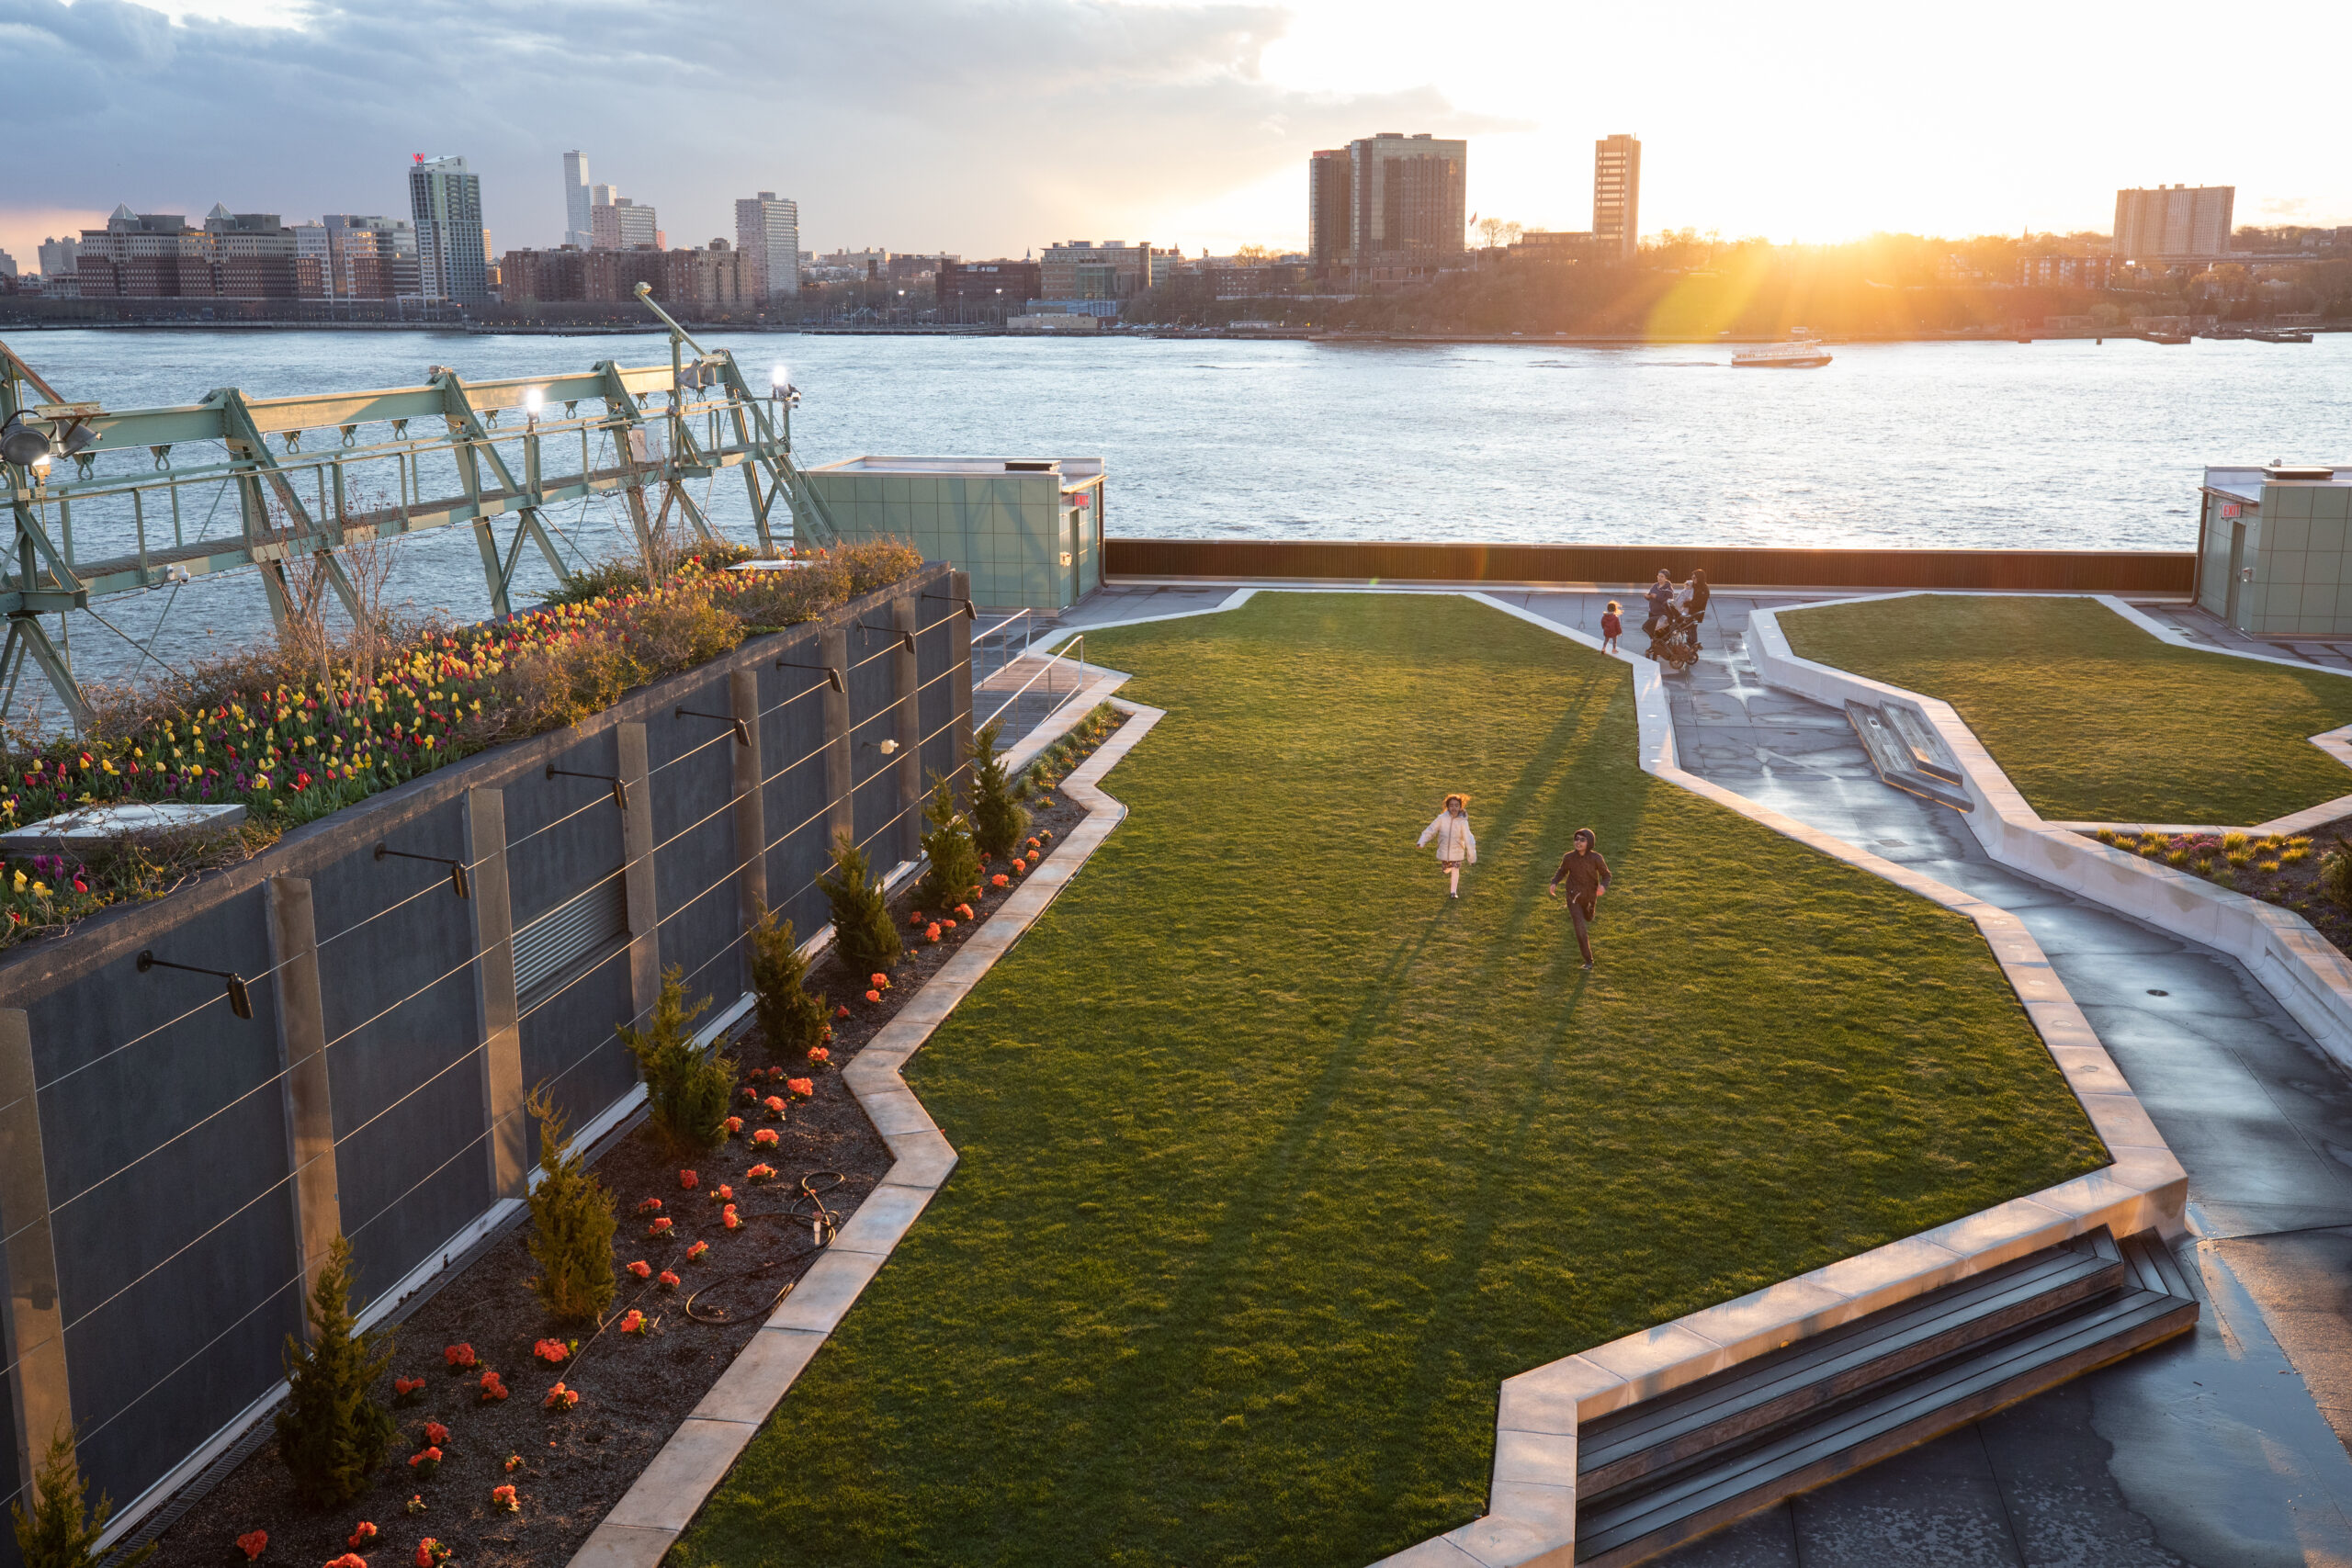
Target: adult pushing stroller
1674, 638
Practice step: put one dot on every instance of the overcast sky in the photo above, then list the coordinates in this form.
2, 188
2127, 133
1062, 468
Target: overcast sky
994, 128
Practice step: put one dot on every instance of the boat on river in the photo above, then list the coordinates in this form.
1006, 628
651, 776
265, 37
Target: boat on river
1800, 354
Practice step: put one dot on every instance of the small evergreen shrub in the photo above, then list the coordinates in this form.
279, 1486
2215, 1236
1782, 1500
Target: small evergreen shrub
572, 1225
57, 1533
863, 933
998, 818
792, 1020
954, 868
685, 1091
331, 1433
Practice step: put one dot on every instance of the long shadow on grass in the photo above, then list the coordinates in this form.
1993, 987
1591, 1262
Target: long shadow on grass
1264, 1199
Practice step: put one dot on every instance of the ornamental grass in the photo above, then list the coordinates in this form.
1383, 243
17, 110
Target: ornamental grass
272, 730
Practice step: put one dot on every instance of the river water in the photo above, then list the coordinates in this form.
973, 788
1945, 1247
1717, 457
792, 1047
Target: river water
1981, 445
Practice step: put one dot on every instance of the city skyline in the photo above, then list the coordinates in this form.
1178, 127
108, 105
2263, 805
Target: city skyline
1217, 108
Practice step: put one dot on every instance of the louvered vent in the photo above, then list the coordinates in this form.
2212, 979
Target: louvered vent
569, 932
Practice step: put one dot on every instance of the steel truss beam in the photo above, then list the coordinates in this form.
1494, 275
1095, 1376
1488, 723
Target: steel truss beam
277, 525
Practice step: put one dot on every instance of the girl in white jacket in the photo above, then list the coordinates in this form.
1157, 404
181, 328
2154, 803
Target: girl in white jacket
1455, 842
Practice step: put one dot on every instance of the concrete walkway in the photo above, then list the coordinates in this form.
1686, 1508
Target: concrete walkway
2216, 1450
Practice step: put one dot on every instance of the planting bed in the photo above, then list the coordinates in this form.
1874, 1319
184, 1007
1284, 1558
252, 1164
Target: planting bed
634, 1390
2285, 870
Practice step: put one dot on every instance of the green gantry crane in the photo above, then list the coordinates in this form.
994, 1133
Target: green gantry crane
368, 475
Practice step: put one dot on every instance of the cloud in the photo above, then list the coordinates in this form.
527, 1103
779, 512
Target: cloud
977, 126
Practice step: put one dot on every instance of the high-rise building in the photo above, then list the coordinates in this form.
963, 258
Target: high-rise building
445, 202
767, 232
58, 257
2173, 223
577, 201
1329, 189
1401, 198
620, 224
1617, 196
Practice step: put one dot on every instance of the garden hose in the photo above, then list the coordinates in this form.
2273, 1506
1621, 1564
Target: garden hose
824, 1224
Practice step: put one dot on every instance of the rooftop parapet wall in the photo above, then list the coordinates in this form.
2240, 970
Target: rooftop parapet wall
2157, 573
163, 1200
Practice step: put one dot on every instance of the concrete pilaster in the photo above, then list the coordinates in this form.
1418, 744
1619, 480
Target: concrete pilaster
40, 1400
499, 1014
302, 1052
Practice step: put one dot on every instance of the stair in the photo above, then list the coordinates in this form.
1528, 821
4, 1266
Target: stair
1656, 1474
1907, 752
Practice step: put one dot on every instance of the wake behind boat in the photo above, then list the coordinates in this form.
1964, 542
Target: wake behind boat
1803, 354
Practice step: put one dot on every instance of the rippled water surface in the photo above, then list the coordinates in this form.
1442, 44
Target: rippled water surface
2071, 445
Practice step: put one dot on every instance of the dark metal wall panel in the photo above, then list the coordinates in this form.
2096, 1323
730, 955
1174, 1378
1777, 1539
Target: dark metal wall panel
405, 1062
941, 641
1728, 567
792, 738
695, 859
873, 720
171, 1209
571, 1047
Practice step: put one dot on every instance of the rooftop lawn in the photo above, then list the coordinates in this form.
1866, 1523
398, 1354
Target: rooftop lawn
2091, 717
1275, 1162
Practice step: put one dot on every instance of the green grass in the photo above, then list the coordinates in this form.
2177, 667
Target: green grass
1275, 1162
2091, 717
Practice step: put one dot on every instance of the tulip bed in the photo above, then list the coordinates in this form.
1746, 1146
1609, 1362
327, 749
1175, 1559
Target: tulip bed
292, 743
2091, 717
1275, 1161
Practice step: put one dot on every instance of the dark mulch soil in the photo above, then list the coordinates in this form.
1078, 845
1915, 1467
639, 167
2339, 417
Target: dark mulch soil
2279, 869
634, 1391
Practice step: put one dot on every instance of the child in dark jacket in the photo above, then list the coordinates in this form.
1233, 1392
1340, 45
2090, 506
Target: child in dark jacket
1611, 625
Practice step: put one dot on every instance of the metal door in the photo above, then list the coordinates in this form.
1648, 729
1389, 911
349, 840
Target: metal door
2237, 570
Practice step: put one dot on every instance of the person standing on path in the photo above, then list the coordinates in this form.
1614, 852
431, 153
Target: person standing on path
1697, 605
1661, 598
1455, 842
1586, 876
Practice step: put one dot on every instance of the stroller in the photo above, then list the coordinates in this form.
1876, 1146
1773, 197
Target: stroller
1674, 638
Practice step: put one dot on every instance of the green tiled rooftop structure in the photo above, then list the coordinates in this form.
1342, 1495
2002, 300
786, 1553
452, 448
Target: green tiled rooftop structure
2275, 549
1028, 529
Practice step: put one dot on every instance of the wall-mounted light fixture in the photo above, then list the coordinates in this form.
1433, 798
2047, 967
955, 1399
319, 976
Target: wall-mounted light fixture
831, 673
970, 612
240, 1002
620, 786
906, 638
742, 730
457, 867
888, 748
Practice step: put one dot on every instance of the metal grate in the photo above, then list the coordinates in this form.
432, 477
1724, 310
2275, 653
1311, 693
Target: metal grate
569, 932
